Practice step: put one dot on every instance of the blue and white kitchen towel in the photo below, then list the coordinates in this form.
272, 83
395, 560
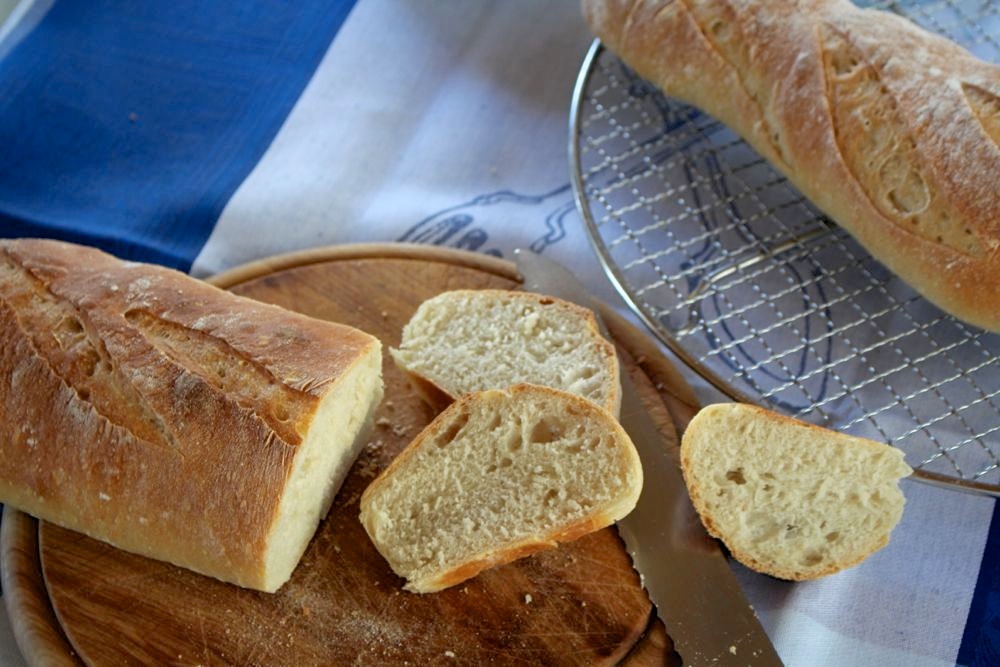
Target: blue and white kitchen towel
205, 135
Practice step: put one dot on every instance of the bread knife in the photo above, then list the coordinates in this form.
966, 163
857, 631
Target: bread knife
682, 568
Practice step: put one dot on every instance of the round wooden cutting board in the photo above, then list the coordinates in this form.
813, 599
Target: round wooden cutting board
73, 600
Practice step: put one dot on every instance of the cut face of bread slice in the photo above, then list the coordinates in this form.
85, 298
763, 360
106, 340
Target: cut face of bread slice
498, 475
471, 340
342, 422
790, 499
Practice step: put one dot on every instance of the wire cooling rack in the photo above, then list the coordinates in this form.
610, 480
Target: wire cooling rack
761, 294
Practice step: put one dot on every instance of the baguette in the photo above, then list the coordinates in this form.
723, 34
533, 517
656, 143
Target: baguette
498, 475
789, 499
892, 131
471, 340
171, 419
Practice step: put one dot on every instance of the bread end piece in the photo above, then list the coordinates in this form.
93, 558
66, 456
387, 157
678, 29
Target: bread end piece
497, 476
790, 499
169, 418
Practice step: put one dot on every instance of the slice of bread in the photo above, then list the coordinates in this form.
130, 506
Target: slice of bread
787, 498
471, 340
496, 476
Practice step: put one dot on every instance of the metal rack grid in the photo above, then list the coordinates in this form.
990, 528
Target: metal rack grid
761, 294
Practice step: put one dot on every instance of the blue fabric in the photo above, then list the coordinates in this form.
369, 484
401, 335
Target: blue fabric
981, 640
129, 125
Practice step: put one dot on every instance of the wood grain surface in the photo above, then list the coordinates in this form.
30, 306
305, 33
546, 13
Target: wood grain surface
74, 600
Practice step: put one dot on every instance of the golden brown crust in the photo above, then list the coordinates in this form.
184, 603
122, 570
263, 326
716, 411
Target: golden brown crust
537, 543
151, 410
469, 569
890, 130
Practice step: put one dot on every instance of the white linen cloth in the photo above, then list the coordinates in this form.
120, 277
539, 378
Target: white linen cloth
424, 111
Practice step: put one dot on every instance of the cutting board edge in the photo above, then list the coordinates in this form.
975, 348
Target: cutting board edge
42, 640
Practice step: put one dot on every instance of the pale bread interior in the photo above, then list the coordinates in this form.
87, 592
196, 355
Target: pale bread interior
790, 499
471, 340
499, 473
331, 445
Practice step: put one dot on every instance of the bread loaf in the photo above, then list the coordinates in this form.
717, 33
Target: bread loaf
171, 419
787, 498
892, 131
471, 340
498, 475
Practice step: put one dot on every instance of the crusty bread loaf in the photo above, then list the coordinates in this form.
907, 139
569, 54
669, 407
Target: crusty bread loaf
471, 340
892, 131
498, 475
171, 419
787, 498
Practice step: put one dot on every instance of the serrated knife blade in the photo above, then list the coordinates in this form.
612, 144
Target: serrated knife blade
684, 571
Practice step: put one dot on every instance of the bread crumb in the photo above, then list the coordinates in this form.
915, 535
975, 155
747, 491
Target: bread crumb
336, 548
383, 421
449, 654
400, 430
103, 496
368, 468
351, 499
527, 598
732, 649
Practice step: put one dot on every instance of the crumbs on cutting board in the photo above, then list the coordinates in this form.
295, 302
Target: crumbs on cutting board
368, 465
349, 500
398, 430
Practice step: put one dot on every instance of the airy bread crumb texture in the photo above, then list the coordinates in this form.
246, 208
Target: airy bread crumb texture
790, 499
498, 475
471, 340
